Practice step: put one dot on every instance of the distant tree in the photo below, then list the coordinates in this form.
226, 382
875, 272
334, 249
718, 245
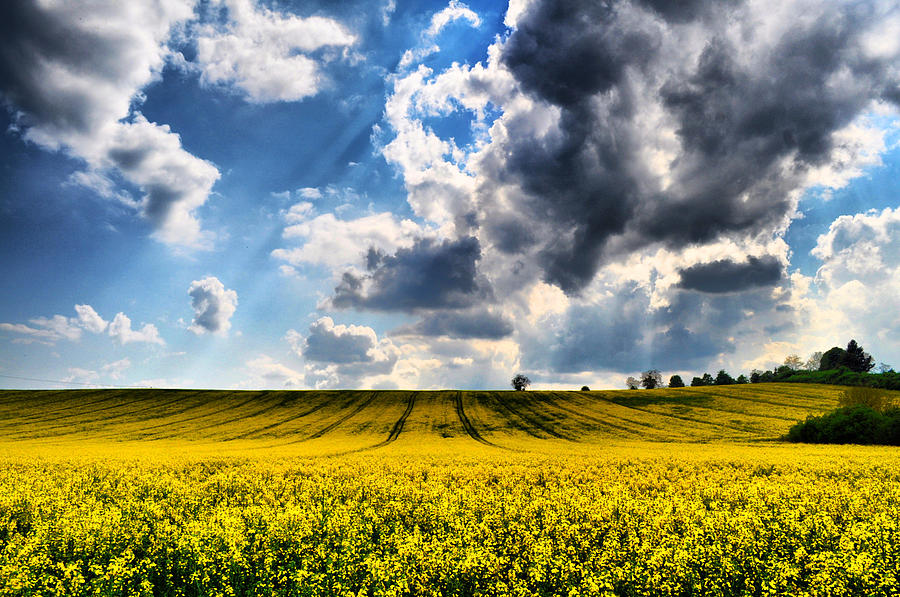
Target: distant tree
520, 382
585, 389
885, 368
723, 379
793, 361
706, 380
742, 379
856, 359
755, 376
676, 382
832, 358
651, 379
632, 384
783, 371
814, 361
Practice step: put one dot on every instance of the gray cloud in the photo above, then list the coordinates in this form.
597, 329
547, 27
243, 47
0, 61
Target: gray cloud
466, 325
510, 234
327, 343
565, 51
620, 338
625, 333
31, 32
727, 276
428, 275
213, 306
681, 11
746, 131
343, 355
73, 84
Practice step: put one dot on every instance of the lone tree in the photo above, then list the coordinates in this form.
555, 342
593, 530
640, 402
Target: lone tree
520, 382
794, 362
814, 361
676, 382
831, 359
631, 383
856, 359
651, 379
585, 389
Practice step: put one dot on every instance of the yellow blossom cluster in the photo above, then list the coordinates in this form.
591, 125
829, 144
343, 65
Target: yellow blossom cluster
663, 519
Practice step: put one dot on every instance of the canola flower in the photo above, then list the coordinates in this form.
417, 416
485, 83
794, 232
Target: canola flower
664, 519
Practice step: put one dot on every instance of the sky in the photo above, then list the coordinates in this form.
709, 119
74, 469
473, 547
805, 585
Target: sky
362, 194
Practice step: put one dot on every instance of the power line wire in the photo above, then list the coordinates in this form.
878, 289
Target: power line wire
78, 383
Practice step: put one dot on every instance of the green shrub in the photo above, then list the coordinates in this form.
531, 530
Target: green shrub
857, 424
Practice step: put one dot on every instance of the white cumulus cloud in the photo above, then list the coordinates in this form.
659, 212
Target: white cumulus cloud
266, 372
90, 320
330, 241
213, 306
265, 53
115, 369
120, 330
49, 330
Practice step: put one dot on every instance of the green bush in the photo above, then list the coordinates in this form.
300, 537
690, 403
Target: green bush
841, 376
858, 424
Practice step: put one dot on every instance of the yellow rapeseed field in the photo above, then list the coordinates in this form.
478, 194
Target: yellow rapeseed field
673, 492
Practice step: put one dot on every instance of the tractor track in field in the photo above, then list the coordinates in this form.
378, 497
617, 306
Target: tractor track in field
397, 429
511, 418
87, 422
242, 416
530, 422
556, 398
696, 420
61, 410
305, 413
191, 407
359, 408
467, 423
733, 411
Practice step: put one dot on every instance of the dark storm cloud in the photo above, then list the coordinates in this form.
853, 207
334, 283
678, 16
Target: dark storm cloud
31, 35
727, 276
511, 235
565, 51
428, 275
478, 324
680, 11
603, 64
61, 75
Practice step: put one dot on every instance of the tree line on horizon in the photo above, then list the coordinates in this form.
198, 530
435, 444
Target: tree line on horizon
845, 366
850, 366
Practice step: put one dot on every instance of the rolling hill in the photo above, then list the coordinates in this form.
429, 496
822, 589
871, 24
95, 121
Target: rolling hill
661, 492
326, 421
